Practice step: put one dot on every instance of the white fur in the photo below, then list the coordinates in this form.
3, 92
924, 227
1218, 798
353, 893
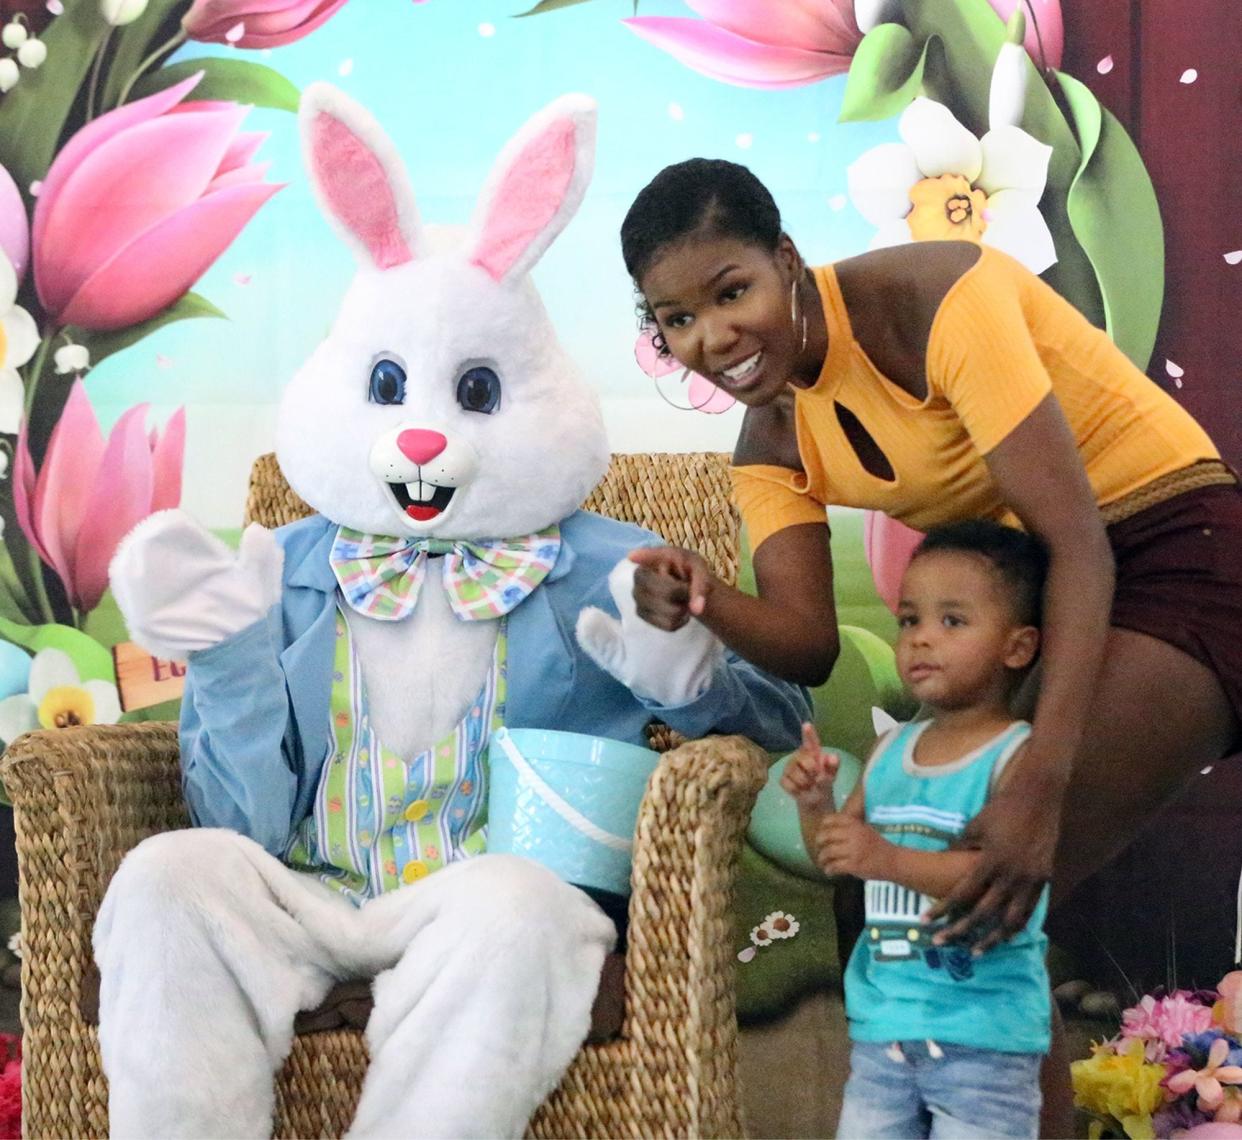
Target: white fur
208, 946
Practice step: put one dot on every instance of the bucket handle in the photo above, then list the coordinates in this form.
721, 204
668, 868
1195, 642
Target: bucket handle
562, 807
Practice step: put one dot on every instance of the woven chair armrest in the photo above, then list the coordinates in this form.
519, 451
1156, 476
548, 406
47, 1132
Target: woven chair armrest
82, 798
686, 850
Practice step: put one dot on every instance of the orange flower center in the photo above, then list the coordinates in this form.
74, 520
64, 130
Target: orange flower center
947, 208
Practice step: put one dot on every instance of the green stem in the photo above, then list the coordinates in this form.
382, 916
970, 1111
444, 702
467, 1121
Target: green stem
35, 372
93, 89
169, 45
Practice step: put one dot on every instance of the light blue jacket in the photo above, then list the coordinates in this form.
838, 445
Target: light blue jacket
254, 718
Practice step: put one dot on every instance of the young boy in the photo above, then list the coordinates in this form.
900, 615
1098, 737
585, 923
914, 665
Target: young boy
945, 1042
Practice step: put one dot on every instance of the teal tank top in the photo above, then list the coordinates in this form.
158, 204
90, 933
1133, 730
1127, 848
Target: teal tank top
898, 986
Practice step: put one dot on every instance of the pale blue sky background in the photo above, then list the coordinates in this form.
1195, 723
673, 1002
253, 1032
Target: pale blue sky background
451, 80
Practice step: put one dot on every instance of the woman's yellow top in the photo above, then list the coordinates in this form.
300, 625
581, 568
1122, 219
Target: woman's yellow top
1000, 342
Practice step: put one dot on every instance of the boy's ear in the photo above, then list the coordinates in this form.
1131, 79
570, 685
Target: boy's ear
1022, 648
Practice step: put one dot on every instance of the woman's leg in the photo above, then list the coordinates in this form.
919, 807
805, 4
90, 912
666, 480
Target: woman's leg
1158, 717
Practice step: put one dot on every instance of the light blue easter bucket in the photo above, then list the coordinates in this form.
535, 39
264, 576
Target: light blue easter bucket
567, 801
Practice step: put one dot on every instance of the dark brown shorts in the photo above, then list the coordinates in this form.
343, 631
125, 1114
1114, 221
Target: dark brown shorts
1179, 578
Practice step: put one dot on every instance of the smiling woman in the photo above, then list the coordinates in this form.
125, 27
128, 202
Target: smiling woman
938, 382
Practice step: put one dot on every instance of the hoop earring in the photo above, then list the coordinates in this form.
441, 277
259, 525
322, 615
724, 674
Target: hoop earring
793, 312
684, 378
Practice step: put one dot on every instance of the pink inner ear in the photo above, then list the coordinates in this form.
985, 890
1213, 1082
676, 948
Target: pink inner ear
526, 199
357, 190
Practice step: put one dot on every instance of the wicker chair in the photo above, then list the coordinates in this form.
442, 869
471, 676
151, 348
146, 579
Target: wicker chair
84, 796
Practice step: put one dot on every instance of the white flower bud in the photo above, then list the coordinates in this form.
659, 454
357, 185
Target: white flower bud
869, 13
9, 75
14, 35
72, 358
32, 53
118, 13
1007, 95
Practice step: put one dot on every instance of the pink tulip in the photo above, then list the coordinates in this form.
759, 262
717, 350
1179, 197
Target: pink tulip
758, 43
1047, 13
139, 203
89, 494
888, 546
14, 230
255, 23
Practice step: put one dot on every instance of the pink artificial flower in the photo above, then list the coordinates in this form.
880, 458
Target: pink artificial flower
14, 229
758, 43
1228, 1011
255, 23
701, 395
90, 494
1209, 1081
888, 546
1166, 1019
139, 203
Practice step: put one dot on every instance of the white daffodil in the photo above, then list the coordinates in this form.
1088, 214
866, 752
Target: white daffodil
942, 183
869, 13
57, 698
19, 337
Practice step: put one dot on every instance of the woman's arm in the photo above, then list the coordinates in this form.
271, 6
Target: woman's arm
1041, 477
790, 629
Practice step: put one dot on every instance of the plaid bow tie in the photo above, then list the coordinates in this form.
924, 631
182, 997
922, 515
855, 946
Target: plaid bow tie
381, 576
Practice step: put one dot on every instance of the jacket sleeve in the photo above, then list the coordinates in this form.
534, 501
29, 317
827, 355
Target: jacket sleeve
743, 699
236, 751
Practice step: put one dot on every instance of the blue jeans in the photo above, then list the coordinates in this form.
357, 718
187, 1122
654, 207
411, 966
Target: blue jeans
948, 1092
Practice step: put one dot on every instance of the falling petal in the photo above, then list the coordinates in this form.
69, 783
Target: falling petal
675, 112
745, 140
812, 136
1174, 370
837, 202
746, 955
162, 361
235, 33
347, 65
242, 278
1105, 65
487, 30
1233, 257
55, 7
1188, 76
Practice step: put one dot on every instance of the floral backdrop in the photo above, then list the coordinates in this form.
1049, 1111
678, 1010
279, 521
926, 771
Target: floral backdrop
163, 270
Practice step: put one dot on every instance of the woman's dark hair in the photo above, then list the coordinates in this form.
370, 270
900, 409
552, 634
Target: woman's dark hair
1021, 559
708, 195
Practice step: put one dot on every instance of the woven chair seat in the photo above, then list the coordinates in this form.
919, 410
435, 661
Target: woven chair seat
83, 797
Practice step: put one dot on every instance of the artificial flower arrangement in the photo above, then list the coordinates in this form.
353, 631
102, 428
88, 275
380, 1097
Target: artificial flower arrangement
1174, 1069
92, 116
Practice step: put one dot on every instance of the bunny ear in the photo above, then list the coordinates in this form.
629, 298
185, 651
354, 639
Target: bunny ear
358, 178
535, 187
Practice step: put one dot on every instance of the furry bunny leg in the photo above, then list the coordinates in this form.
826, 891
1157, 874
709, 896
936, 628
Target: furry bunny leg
478, 1021
207, 947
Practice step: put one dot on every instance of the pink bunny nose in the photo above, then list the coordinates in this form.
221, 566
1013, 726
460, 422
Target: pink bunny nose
420, 445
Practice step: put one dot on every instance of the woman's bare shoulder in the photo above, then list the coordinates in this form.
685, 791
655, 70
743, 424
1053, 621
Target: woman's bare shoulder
769, 437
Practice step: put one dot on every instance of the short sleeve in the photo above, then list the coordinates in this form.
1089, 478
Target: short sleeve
981, 357
769, 501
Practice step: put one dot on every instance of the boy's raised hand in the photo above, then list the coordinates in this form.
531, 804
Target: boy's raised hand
810, 773
670, 586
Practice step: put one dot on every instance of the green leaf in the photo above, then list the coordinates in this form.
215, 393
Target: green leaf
134, 43
33, 115
1116, 219
552, 6
104, 344
232, 80
885, 74
93, 661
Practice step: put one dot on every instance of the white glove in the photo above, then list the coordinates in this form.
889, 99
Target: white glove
667, 668
180, 588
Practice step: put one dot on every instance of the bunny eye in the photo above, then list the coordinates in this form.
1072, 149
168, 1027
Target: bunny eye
387, 383
478, 390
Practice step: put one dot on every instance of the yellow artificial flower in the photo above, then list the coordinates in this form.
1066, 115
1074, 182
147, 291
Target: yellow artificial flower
1121, 1085
947, 208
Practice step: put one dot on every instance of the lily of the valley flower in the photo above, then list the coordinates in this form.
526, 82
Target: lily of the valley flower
19, 337
58, 698
90, 493
118, 13
71, 358
758, 43
940, 182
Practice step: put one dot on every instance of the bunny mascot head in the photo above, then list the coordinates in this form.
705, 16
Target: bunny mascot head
346, 673
441, 404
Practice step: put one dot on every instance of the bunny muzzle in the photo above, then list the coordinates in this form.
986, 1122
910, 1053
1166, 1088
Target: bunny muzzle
423, 466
